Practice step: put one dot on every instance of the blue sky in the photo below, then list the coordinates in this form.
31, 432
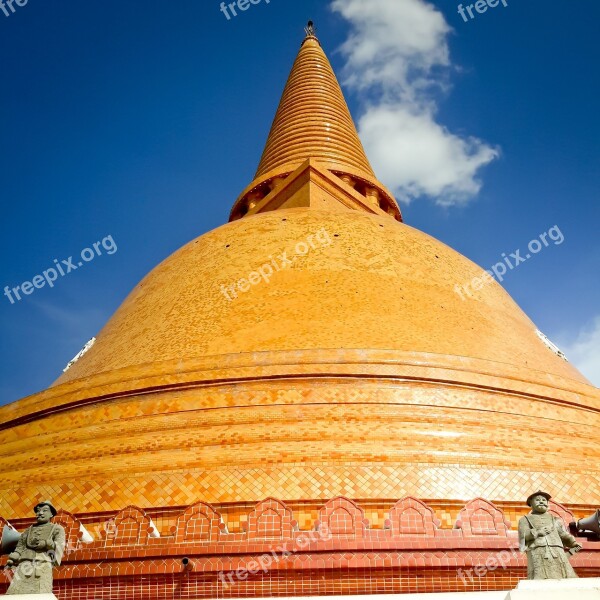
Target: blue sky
144, 120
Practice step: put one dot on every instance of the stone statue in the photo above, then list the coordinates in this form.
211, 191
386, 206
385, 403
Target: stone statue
39, 548
544, 538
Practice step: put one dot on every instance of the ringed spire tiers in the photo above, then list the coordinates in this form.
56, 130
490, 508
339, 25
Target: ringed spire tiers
313, 123
313, 120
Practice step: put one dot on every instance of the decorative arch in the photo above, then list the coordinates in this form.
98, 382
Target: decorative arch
271, 519
340, 517
131, 526
562, 512
75, 532
480, 517
410, 516
199, 523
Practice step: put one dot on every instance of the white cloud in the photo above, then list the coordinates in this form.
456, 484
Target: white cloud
584, 351
397, 56
416, 156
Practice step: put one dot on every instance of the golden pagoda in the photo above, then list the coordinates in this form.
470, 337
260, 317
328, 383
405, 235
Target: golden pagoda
312, 350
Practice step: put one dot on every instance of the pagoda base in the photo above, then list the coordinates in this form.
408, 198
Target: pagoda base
557, 589
551, 589
31, 596
438, 596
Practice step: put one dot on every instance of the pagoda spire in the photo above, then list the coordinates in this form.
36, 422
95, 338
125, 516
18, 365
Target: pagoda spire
313, 119
313, 122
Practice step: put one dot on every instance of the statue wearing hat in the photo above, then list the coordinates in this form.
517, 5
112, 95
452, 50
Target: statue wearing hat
544, 538
39, 548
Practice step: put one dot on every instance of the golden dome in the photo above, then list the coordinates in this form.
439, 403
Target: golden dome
372, 283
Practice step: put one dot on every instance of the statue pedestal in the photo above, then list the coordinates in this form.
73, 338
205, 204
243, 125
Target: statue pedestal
32, 597
557, 589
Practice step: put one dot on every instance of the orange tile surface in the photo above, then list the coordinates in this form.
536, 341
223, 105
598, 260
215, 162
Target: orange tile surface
245, 442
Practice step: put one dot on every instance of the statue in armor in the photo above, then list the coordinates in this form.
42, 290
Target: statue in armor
543, 537
39, 548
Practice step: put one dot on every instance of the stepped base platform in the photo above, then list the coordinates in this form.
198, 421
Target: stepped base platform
31, 597
551, 589
557, 589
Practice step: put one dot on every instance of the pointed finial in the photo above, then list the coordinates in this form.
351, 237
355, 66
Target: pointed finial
310, 29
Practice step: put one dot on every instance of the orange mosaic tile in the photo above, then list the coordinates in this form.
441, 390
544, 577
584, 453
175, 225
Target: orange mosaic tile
410, 516
255, 440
